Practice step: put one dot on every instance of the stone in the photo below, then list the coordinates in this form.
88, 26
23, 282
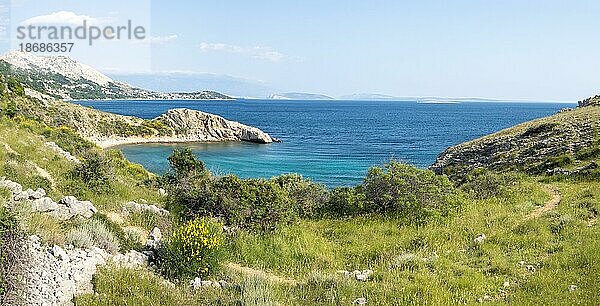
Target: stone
58, 252
201, 126
162, 192
479, 239
44, 204
38, 194
155, 234
360, 301
224, 284
206, 283
572, 288
196, 283
79, 208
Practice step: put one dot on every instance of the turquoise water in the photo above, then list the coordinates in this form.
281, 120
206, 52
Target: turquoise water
332, 142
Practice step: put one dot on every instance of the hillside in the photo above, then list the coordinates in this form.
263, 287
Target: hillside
63, 78
106, 129
89, 228
565, 143
81, 225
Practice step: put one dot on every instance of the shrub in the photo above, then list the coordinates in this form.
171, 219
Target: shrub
192, 250
93, 233
407, 192
125, 241
67, 139
344, 202
254, 204
185, 164
308, 197
11, 256
484, 184
15, 87
94, 171
10, 109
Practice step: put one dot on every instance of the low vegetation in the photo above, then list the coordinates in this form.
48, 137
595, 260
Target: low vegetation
290, 241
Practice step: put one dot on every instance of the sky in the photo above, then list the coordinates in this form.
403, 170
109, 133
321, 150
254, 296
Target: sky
533, 50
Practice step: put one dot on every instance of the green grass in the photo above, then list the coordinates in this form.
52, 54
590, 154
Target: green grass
432, 264
447, 268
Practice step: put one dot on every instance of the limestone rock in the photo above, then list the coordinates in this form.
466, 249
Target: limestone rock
44, 204
193, 125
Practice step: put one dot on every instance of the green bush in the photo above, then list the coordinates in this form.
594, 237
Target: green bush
344, 202
10, 109
67, 139
254, 204
484, 184
192, 250
15, 87
185, 164
410, 193
94, 171
308, 197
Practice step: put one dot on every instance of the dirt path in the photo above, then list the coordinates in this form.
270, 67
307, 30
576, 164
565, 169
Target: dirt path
259, 273
550, 205
40, 171
43, 173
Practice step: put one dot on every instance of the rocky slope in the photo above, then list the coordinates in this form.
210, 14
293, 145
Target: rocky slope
62, 77
591, 101
554, 144
186, 125
106, 129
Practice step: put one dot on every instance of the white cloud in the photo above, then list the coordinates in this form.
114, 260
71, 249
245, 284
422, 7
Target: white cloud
64, 18
262, 53
161, 40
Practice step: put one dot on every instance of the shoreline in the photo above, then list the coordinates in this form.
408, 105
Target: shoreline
111, 143
141, 99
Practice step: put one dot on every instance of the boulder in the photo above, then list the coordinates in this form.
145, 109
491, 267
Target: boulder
44, 204
58, 252
78, 208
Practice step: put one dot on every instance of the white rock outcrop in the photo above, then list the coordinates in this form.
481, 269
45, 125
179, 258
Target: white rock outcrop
193, 125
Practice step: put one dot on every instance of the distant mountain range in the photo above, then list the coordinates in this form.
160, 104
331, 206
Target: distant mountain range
190, 81
64, 78
299, 96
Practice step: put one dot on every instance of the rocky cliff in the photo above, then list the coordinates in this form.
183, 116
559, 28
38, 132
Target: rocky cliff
567, 140
194, 125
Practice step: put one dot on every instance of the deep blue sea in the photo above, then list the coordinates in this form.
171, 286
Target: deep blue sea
332, 142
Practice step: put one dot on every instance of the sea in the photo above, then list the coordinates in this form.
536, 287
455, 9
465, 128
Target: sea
331, 142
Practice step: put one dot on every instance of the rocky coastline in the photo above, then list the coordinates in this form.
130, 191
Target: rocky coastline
186, 125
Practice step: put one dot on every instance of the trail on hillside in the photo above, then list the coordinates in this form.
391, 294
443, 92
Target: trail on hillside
259, 273
550, 205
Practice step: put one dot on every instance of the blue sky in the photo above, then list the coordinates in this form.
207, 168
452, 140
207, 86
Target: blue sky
537, 50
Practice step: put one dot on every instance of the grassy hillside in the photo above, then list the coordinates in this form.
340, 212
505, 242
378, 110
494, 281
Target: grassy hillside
496, 238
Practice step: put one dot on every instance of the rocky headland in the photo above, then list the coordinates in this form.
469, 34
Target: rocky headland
557, 144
